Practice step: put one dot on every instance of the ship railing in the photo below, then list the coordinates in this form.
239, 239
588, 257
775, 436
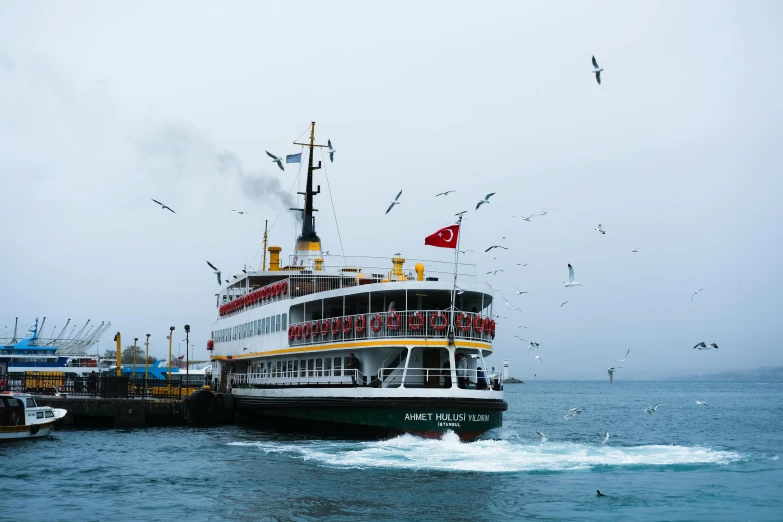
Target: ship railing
474, 378
104, 385
254, 298
299, 377
378, 267
419, 324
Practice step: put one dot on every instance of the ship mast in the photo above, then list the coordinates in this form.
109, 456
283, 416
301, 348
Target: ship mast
308, 243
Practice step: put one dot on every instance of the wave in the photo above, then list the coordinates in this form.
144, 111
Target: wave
490, 456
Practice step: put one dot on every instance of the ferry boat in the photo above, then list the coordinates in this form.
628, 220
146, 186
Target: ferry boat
357, 345
22, 418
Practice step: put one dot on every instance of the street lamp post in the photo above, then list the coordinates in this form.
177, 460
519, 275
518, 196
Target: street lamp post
118, 354
187, 359
168, 373
135, 339
146, 364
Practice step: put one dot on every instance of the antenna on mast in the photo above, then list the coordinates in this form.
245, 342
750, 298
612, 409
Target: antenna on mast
263, 262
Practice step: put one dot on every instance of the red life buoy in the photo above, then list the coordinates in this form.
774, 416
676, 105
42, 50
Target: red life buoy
486, 325
444, 322
210, 344
462, 326
376, 322
316, 329
347, 325
492, 328
393, 321
264, 292
477, 323
291, 332
306, 331
419, 321
278, 288
336, 326
360, 324
299, 331
285, 286
325, 328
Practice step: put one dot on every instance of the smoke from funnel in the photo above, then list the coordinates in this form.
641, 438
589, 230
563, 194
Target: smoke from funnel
253, 184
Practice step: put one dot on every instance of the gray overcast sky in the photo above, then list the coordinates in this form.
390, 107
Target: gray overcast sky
104, 106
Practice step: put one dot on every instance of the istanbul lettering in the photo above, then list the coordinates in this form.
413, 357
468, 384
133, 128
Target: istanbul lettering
447, 419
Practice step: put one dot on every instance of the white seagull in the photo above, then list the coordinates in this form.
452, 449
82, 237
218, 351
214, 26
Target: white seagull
702, 403
395, 202
601, 229
520, 292
543, 437
494, 272
495, 246
216, 269
611, 371
444, 193
276, 159
604, 438
240, 211
597, 71
563, 304
485, 200
651, 409
702, 346
527, 218
635, 249
547, 211
573, 412
522, 264
163, 207
571, 281
330, 150
692, 295
539, 358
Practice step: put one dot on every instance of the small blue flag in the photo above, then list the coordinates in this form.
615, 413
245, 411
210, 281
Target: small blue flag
294, 158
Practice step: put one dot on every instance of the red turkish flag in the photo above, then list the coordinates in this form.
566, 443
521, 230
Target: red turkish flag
444, 238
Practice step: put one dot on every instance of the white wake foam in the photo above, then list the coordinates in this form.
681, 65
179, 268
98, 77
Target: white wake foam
410, 452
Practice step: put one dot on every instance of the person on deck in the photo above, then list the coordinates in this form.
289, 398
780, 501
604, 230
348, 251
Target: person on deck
462, 370
354, 367
481, 379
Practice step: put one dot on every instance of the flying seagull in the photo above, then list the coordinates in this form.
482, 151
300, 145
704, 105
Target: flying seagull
604, 438
240, 211
635, 249
162, 206
651, 409
626, 356
520, 292
485, 200
539, 358
276, 159
527, 218
692, 295
465, 251
702, 346
543, 437
495, 246
330, 150
601, 229
573, 412
494, 272
216, 269
547, 211
597, 71
522, 264
702, 403
460, 291
395, 202
563, 304
611, 371
444, 193
520, 338
571, 281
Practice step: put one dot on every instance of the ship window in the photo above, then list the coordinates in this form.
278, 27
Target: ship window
296, 368
39, 415
285, 324
290, 369
49, 414
310, 367
337, 366
277, 323
319, 367
328, 367
31, 403
279, 368
302, 368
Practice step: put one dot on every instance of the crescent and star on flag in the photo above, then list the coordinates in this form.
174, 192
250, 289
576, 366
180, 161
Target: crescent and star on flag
444, 238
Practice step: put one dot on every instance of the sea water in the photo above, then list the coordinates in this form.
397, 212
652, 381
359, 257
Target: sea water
684, 462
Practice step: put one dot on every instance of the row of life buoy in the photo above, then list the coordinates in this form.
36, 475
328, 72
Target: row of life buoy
269, 291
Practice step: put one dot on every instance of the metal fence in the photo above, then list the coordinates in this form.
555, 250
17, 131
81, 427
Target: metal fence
430, 324
104, 386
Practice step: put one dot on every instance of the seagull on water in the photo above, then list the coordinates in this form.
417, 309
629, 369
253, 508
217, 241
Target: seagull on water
702, 403
563, 304
573, 412
395, 202
495, 246
276, 159
240, 212
444, 193
600, 228
539, 358
651, 409
163, 207
611, 371
692, 295
216, 269
330, 150
604, 438
702, 346
520, 292
571, 281
543, 437
626, 356
598, 493
597, 71
485, 200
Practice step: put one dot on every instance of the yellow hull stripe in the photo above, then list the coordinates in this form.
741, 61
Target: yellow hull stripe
360, 344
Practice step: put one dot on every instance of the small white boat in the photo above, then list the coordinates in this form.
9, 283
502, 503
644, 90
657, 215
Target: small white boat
22, 418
